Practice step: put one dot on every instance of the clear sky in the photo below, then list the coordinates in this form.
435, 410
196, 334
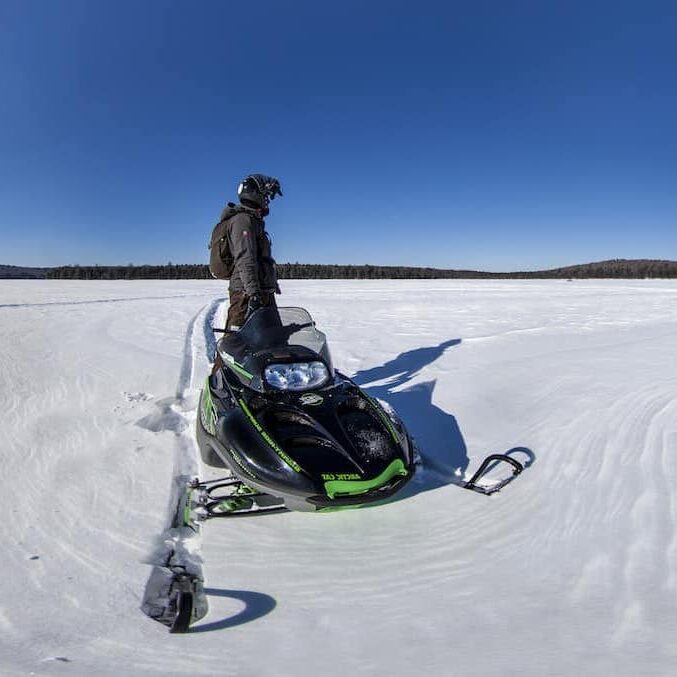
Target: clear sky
487, 134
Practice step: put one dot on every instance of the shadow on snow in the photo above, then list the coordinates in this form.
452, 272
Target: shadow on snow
256, 605
437, 435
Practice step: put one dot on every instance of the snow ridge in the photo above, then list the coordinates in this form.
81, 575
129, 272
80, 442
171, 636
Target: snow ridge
49, 304
179, 547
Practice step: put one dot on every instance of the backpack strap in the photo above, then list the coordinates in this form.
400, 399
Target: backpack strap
230, 210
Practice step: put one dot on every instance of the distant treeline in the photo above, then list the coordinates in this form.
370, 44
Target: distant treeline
285, 271
22, 273
620, 268
615, 268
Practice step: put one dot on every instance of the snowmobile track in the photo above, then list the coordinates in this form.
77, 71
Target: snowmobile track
95, 301
188, 362
178, 547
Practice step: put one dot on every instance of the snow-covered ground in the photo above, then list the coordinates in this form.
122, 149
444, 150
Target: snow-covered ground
570, 570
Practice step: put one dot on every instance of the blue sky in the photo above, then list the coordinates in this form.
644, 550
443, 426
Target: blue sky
487, 135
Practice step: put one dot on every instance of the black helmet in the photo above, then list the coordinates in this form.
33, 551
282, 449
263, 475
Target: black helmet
257, 190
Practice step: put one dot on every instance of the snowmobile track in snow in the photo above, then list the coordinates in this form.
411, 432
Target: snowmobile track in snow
187, 365
186, 376
179, 546
95, 301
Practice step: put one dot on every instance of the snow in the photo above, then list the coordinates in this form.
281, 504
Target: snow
571, 568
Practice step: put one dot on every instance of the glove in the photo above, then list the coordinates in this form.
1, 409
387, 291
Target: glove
254, 303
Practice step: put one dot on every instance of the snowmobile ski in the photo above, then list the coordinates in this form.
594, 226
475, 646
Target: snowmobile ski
175, 597
182, 601
490, 462
174, 594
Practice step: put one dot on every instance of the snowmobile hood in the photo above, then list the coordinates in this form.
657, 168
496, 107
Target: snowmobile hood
336, 434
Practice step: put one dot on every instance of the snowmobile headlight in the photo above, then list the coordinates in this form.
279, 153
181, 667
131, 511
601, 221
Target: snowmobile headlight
296, 375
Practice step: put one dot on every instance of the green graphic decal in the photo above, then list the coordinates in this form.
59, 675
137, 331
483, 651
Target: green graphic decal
269, 440
187, 509
356, 487
239, 460
340, 476
208, 411
237, 366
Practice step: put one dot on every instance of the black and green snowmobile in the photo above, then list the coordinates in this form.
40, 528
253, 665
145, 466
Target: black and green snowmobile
292, 432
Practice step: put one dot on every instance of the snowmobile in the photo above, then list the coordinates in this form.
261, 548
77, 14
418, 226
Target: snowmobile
291, 431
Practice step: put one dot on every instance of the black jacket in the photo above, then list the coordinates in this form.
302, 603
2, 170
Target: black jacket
254, 266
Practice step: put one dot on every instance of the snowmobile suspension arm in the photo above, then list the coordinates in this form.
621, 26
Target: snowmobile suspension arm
236, 503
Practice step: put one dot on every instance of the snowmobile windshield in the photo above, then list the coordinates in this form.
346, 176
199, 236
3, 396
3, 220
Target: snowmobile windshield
275, 328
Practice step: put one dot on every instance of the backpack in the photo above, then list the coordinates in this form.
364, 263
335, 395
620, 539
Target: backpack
221, 261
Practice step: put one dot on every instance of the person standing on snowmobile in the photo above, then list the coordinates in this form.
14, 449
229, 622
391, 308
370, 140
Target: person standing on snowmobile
241, 249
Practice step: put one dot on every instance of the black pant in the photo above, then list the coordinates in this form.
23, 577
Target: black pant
239, 301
